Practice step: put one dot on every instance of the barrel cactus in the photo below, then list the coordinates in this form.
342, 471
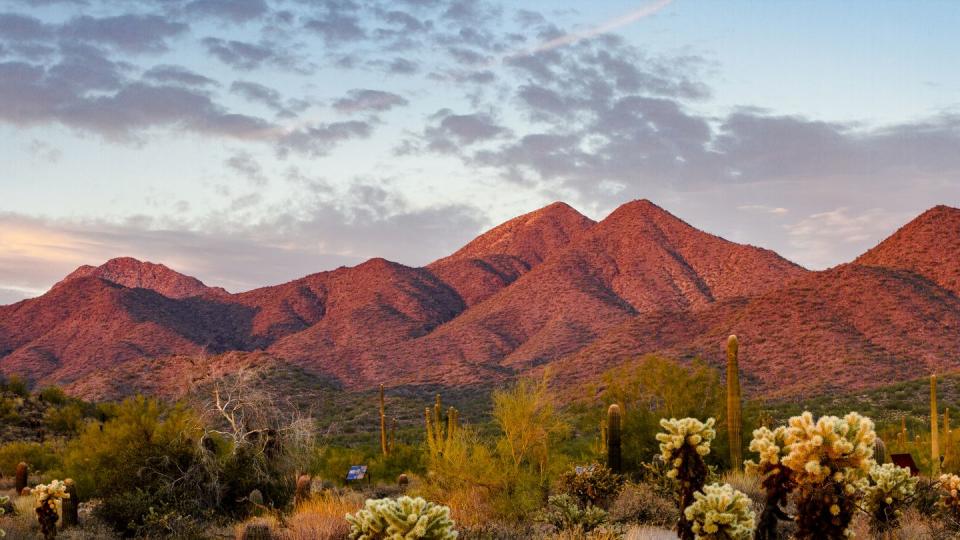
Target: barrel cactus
405, 517
720, 512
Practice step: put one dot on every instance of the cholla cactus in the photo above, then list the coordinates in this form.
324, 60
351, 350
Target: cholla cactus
406, 518
720, 512
950, 496
827, 459
3, 503
776, 479
887, 489
682, 446
47, 498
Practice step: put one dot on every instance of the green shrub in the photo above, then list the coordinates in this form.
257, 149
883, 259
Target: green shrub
53, 395
65, 419
143, 458
17, 385
595, 484
565, 513
405, 517
42, 457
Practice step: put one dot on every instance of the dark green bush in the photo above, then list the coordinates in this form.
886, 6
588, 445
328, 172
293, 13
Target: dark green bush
595, 485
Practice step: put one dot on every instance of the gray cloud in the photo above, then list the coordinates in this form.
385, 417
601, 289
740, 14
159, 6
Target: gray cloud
247, 56
452, 133
128, 33
366, 100
244, 164
319, 139
166, 73
237, 11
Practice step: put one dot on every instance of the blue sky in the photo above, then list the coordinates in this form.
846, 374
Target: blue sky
249, 142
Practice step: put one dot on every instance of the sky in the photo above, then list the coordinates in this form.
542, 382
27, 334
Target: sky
251, 142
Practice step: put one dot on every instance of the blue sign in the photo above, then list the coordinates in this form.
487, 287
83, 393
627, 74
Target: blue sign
357, 472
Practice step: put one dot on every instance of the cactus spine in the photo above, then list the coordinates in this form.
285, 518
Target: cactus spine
734, 403
23, 470
384, 446
934, 422
614, 455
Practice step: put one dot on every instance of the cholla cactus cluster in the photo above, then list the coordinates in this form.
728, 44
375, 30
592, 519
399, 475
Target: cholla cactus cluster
950, 495
828, 458
720, 512
776, 479
48, 496
831, 447
402, 518
686, 432
683, 445
887, 489
3, 502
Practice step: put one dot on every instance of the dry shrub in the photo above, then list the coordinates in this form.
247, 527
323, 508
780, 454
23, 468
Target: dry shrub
639, 503
914, 525
748, 484
322, 517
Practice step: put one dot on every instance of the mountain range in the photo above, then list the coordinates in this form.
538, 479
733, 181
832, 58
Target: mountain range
551, 288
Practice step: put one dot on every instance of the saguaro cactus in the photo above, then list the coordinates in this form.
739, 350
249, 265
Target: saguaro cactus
934, 424
71, 505
23, 471
734, 403
437, 436
384, 447
614, 453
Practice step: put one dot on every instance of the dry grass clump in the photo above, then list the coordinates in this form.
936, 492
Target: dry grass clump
318, 518
639, 503
322, 517
747, 483
914, 525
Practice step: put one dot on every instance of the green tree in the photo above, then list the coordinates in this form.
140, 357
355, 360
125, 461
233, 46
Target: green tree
655, 387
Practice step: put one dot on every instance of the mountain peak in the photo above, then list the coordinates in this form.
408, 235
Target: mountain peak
529, 237
134, 273
929, 245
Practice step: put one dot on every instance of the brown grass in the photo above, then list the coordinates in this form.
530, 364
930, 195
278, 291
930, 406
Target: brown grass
318, 518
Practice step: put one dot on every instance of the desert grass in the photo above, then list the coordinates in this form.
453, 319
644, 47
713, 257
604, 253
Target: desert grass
319, 518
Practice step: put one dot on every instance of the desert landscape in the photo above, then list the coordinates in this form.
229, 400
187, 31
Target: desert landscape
479, 270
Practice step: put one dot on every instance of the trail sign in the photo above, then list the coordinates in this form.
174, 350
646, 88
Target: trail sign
357, 472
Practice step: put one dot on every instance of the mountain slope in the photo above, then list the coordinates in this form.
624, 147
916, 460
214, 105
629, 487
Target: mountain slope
928, 245
132, 273
89, 323
498, 257
639, 259
849, 327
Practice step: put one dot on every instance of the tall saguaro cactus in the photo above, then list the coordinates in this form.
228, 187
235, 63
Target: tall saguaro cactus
384, 447
614, 452
437, 436
734, 403
934, 425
